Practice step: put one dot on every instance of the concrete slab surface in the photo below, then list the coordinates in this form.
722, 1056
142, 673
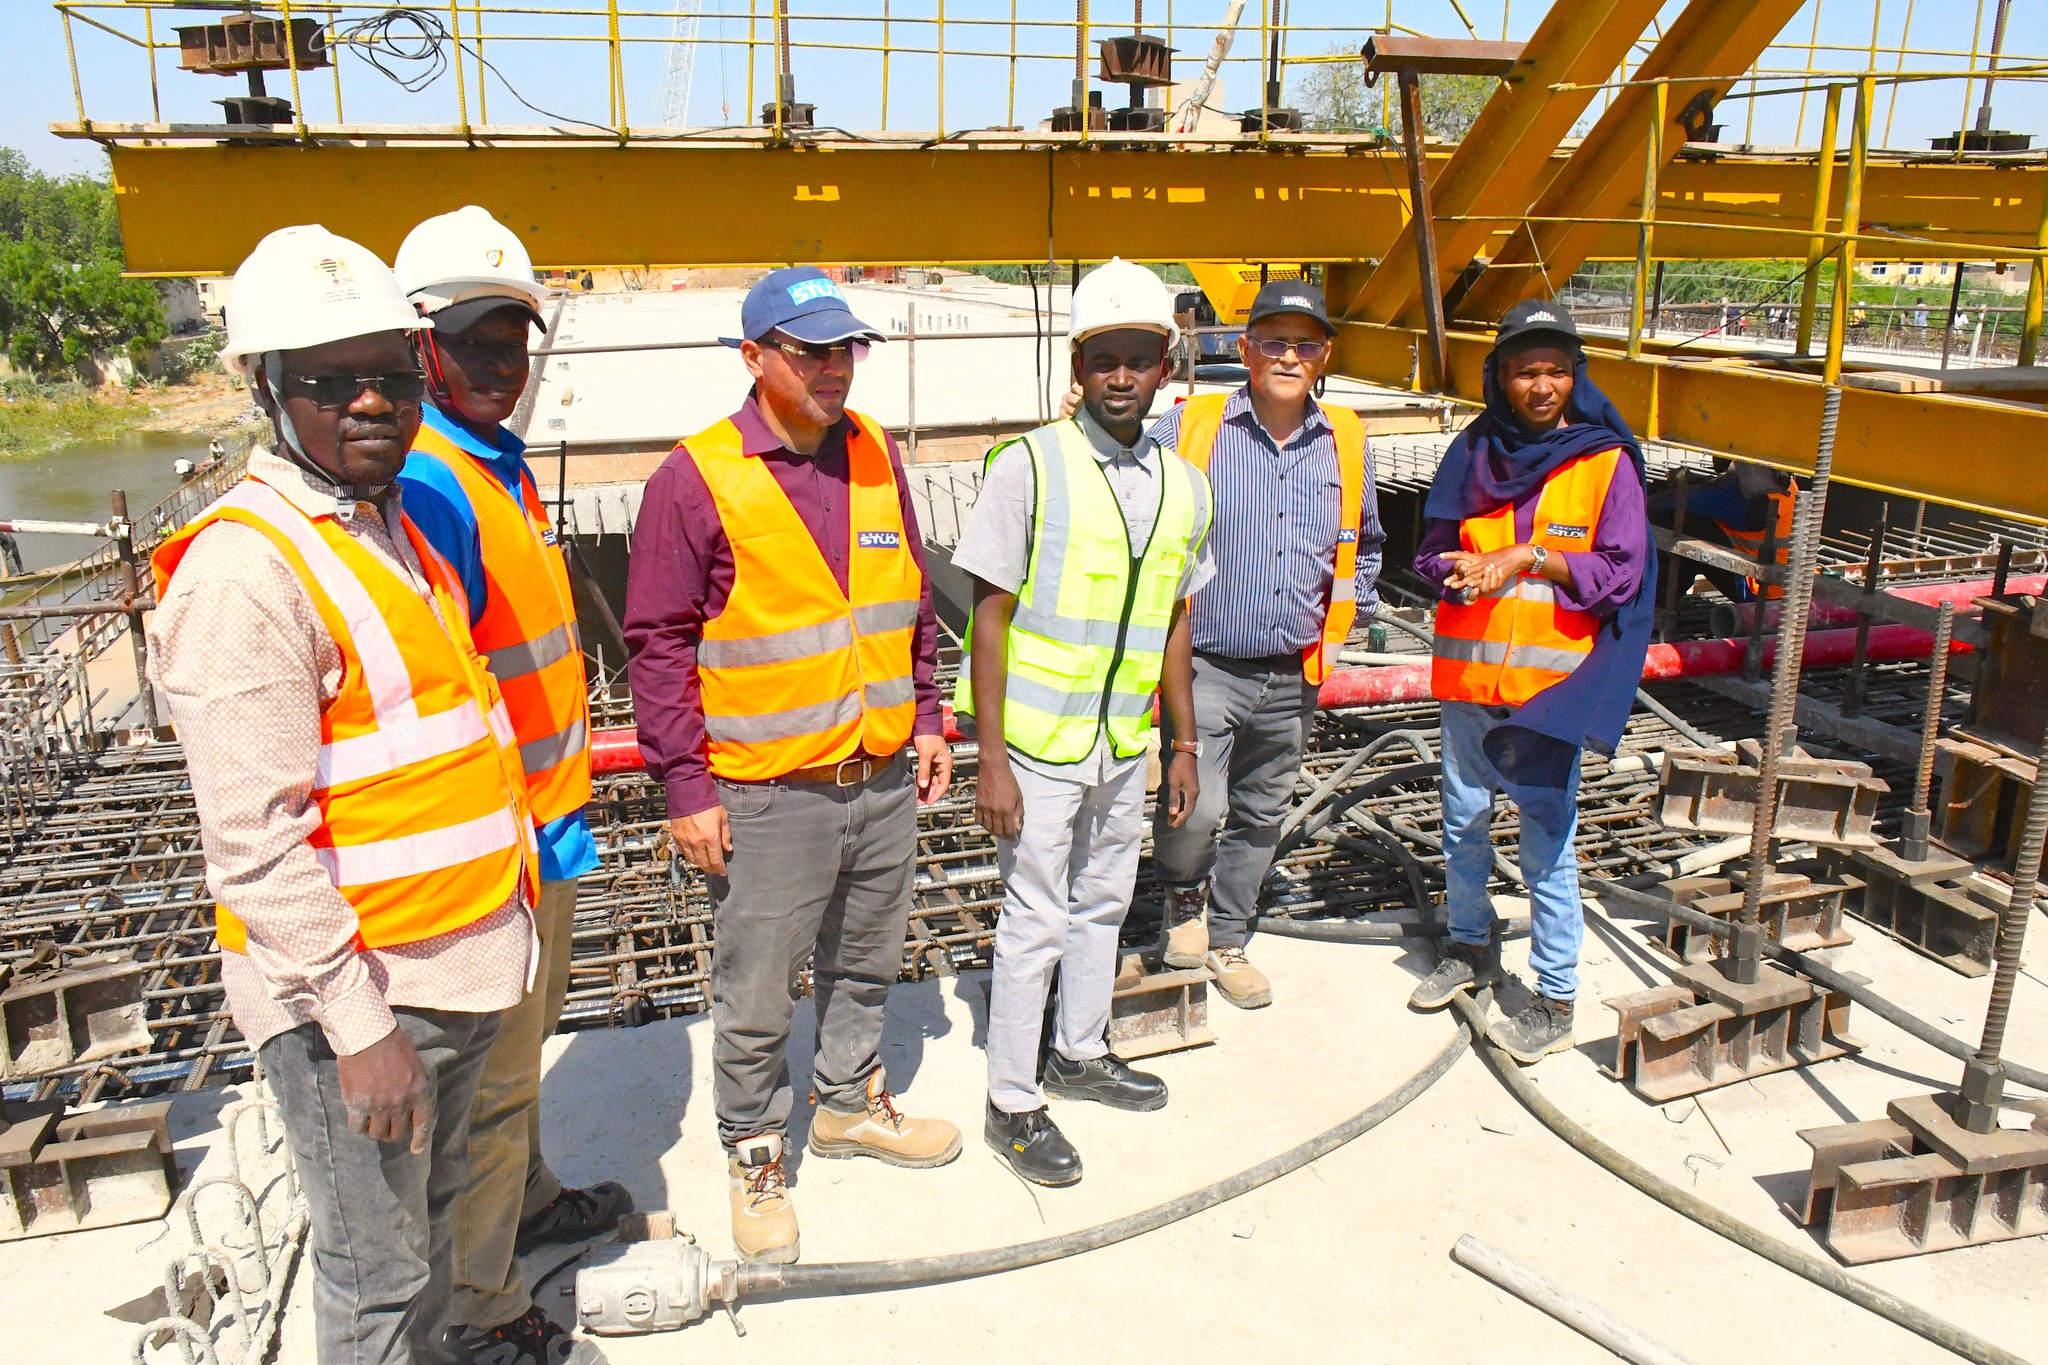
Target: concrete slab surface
1347, 1259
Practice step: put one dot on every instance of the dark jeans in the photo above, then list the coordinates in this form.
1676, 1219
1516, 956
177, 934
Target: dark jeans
1254, 718
382, 1232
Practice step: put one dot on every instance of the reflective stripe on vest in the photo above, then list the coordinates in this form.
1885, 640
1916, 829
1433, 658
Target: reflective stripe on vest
424, 826
1751, 543
527, 632
1087, 638
1201, 417
795, 672
1510, 644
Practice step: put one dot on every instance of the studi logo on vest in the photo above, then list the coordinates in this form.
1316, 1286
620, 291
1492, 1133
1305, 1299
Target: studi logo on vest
1566, 532
879, 540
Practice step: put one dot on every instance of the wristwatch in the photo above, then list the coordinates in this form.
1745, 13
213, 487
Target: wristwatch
1542, 554
1188, 746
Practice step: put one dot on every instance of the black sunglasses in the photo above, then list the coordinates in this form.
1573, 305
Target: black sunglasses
341, 390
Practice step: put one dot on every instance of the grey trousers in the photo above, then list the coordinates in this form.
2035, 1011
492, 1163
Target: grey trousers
381, 1225
814, 869
1254, 718
1066, 889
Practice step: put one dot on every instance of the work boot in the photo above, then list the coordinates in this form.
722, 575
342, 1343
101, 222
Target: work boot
1463, 967
1106, 1080
1242, 984
1542, 1028
881, 1131
529, 1340
1034, 1146
1184, 931
763, 1218
575, 1216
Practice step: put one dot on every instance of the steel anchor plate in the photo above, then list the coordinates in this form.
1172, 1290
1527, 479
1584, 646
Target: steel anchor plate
1705, 1031
1823, 801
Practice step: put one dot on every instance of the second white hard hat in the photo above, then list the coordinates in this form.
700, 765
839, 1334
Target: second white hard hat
1120, 293
457, 257
303, 286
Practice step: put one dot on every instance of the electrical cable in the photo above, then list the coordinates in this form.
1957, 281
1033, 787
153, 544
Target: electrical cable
865, 1276
405, 35
1893, 1309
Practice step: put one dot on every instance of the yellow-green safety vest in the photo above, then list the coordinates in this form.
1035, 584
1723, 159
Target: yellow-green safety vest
1088, 637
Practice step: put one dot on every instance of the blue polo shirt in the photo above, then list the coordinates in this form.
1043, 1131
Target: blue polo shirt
437, 504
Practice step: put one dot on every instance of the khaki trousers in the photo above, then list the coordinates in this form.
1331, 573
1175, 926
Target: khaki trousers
509, 1181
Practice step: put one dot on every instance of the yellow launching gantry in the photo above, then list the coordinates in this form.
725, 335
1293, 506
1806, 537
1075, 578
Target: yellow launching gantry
1511, 211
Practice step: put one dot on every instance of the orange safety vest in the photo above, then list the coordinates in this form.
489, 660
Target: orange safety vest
1507, 646
1751, 543
527, 633
1201, 417
424, 826
794, 672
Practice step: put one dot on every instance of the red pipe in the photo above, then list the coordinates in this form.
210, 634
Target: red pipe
1933, 594
619, 750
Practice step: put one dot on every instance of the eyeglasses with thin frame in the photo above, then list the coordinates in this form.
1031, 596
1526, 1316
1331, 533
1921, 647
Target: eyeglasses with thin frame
341, 390
819, 353
1309, 351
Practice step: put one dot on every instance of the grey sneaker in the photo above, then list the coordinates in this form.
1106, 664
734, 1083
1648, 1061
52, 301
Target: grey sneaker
1463, 967
1542, 1028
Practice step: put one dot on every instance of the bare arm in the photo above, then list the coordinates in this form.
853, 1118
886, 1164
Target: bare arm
1177, 696
998, 803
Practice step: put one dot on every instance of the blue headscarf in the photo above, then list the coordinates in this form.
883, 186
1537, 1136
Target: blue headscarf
1493, 463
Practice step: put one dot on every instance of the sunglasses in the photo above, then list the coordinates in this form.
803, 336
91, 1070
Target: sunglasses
1310, 351
499, 355
341, 390
815, 353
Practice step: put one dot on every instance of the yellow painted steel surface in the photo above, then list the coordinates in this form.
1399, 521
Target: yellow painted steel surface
646, 205
1966, 451
1231, 288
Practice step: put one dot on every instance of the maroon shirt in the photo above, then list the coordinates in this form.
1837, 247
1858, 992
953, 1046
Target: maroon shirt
681, 572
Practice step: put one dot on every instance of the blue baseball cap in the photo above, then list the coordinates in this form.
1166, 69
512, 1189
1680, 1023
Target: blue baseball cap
802, 301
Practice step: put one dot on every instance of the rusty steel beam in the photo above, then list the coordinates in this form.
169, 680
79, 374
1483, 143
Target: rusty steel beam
1711, 38
1498, 165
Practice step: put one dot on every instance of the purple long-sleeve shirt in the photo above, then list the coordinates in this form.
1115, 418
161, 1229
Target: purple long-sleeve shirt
1602, 578
681, 573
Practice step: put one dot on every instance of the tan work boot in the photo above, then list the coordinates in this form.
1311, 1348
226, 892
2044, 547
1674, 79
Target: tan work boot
882, 1131
763, 1218
1242, 984
1184, 931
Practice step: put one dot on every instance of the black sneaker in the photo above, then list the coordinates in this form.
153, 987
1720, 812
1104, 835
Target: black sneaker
1462, 967
1034, 1146
530, 1340
1542, 1028
576, 1216
1106, 1080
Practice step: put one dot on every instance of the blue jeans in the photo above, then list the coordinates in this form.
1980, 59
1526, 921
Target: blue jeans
1549, 819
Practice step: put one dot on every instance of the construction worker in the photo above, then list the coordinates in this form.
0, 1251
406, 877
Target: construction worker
783, 642
361, 804
1084, 544
1535, 528
1297, 550
467, 487
1743, 506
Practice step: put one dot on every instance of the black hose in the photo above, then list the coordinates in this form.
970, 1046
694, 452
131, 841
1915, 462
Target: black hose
1414, 739
1918, 1321
862, 1276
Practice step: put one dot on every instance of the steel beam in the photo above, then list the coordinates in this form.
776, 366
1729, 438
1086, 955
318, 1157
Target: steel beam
1715, 38
587, 206
1499, 163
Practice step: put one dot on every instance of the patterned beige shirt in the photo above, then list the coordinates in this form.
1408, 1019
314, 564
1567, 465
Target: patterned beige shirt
246, 664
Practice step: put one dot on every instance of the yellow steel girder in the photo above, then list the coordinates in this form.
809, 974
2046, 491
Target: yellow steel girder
591, 205
1963, 451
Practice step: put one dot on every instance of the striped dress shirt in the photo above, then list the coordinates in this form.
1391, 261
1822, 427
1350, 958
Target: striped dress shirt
1275, 537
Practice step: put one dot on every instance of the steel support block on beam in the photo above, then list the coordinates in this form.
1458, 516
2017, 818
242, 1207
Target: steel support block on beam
92, 1170
1705, 1030
1797, 911
1154, 1010
1824, 801
1924, 905
88, 1010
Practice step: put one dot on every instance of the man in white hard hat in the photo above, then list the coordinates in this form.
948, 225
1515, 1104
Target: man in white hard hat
1084, 543
361, 804
467, 487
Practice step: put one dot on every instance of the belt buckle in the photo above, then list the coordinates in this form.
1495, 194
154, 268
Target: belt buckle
839, 771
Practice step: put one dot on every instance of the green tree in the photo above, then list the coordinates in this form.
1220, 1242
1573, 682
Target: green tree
1333, 98
62, 295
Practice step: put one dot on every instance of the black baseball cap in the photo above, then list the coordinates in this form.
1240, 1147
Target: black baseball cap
1290, 296
1537, 322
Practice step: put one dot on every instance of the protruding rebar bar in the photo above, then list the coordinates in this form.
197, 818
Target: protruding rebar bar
1983, 1089
1919, 816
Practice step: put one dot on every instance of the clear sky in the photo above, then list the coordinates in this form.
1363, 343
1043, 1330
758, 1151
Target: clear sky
570, 80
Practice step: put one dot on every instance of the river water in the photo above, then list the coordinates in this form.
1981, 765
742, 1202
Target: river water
72, 484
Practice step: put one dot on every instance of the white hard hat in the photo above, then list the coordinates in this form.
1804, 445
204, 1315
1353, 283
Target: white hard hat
466, 255
1118, 294
304, 286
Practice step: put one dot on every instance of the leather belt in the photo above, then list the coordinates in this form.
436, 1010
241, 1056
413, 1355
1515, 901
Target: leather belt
848, 772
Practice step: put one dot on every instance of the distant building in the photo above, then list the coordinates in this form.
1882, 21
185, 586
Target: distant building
2008, 277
